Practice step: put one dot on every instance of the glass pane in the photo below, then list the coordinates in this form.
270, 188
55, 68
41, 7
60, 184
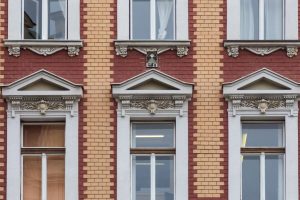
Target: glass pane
249, 20
164, 177
153, 135
250, 178
274, 177
274, 19
141, 177
140, 15
50, 135
56, 177
262, 134
32, 178
32, 19
165, 19
57, 19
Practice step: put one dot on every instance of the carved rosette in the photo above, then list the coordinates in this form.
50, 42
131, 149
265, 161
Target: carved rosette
233, 51
14, 51
291, 51
152, 105
182, 51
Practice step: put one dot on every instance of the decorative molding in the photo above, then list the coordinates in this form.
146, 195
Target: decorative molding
148, 47
263, 103
43, 47
151, 103
41, 104
262, 47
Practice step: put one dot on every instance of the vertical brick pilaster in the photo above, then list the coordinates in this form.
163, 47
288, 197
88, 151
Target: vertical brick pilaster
99, 177
208, 137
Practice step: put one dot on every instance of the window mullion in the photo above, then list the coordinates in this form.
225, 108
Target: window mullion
261, 19
45, 20
152, 20
153, 163
262, 176
44, 176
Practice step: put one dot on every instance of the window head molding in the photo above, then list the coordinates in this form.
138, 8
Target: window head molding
262, 95
152, 96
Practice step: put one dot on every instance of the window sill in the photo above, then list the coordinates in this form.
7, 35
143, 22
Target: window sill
146, 46
262, 47
43, 47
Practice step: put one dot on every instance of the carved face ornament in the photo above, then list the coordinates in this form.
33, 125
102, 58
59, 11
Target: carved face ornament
43, 107
152, 106
263, 105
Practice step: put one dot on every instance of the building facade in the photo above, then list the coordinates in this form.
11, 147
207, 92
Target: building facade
149, 99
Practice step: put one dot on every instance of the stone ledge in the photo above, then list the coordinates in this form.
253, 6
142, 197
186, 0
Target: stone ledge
43, 47
262, 47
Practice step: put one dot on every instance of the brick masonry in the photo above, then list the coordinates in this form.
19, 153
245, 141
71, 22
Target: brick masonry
99, 169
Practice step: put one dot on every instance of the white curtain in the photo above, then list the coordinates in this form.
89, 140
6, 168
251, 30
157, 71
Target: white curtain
164, 11
249, 20
274, 19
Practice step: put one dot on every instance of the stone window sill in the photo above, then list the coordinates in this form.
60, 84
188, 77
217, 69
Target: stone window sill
43, 47
262, 47
145, 46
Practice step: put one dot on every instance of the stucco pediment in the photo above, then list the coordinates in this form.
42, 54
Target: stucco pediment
42, 83
261, 82
152, 82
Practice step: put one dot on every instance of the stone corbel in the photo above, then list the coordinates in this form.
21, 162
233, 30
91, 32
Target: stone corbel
236, 103
289, 103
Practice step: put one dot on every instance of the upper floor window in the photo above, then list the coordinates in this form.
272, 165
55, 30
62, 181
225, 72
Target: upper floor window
262, 19
45, 19
153, 19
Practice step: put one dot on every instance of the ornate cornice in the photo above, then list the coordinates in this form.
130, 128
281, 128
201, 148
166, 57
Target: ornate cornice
41, 104
151, 103
262, 103
151, 48
262, 47
43, 47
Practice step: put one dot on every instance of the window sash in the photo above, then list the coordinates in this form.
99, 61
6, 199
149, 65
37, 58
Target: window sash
153, 22
262, 35
45, 19
152, 174
44, 172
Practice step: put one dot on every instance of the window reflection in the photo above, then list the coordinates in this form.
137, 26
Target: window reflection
32, 19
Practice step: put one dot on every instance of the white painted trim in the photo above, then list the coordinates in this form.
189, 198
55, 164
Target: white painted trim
262, 175
44, 176
15, 20
123, 20
44, 19
261, 19
290, 21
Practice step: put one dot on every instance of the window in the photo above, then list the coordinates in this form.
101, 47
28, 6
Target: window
153, 19
42, 138
262, 137
45, 19
152, 137
262, 19
262, 159
43, 156
153, 160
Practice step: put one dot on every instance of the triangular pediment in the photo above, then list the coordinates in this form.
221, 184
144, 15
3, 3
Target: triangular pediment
152, 82
263, 81
42, 83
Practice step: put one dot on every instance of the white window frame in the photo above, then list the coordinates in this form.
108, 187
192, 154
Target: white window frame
123, 93
180, 20
17, 116
290, 21
16, 22
238, 112
262, 158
